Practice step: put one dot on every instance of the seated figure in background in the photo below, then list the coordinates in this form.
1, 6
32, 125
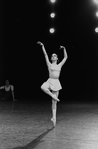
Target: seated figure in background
7, 92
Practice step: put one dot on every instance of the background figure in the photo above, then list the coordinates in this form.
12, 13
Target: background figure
52, 85
7, 91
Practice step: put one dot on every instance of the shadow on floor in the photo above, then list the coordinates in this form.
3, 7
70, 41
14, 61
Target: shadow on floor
36, 141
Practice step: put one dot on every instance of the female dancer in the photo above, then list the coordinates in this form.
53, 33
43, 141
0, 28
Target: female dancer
52, 85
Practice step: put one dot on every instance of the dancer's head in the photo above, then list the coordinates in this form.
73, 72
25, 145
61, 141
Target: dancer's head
54, 58
7, 82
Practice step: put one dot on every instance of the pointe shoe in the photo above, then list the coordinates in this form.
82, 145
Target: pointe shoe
54, 121
55, 98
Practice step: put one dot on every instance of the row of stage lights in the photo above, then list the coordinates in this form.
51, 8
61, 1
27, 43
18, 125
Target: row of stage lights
52, 15
96, 1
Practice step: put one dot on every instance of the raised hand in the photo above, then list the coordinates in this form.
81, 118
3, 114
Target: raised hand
62, 47
40, 43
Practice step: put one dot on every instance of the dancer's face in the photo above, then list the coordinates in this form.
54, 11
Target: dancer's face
7, 83
54, 57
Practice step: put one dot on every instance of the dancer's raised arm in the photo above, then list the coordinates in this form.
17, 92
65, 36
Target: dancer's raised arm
65, 56
44, 51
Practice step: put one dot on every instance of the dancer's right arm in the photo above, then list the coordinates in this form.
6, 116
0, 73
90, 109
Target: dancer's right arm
2, 87
45, 53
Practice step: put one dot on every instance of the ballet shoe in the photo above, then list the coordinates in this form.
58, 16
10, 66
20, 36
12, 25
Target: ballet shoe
54, 121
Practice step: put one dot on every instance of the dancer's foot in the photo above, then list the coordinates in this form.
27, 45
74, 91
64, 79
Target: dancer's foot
55, 97
54, 121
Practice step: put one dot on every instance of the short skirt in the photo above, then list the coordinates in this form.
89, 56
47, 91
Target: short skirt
52, 84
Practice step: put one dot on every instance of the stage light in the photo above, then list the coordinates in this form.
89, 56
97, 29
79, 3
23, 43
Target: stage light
96, 29
53, 1
52, 15
96, 1
52, 30
97, 13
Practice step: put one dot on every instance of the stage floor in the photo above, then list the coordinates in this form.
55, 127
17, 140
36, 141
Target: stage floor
28, 126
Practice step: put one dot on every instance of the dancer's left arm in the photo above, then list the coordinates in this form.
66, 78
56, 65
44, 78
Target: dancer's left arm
65, 56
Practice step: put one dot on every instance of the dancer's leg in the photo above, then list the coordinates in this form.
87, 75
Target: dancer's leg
54, 108
45, 88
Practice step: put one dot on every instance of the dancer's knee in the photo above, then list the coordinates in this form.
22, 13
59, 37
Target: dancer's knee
44, 87
41, 87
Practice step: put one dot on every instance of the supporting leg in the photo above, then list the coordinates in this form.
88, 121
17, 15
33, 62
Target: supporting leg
54, 109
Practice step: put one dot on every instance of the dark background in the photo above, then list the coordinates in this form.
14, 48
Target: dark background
23, 23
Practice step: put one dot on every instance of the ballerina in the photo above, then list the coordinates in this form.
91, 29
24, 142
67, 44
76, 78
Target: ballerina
52, 85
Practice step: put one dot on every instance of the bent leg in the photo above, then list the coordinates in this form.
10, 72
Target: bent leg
45, 88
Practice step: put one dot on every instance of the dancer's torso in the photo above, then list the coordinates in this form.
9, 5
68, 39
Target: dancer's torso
7, 88
54, 71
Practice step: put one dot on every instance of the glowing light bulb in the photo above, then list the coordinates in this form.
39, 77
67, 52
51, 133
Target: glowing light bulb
53, 1
97, 13
52, 30
96, 29
52, 15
